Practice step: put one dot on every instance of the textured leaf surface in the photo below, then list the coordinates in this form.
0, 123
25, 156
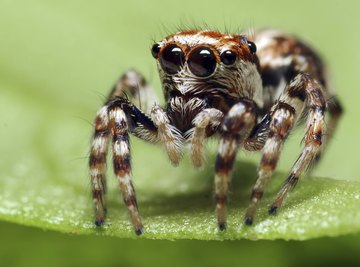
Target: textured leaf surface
319, 207
55, 66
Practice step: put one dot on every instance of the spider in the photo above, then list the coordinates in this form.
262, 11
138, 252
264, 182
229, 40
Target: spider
248, 93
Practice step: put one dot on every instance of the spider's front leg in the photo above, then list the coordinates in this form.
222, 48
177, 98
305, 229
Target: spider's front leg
97, 164
236, 127
116, 119
168, 134
121, 159
207, 117
284, 114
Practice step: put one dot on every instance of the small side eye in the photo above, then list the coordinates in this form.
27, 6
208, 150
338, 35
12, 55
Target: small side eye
155, 49
228, 57
252, 47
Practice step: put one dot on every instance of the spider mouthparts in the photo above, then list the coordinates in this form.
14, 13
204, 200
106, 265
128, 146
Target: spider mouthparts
222, 226
248, 220
138, 231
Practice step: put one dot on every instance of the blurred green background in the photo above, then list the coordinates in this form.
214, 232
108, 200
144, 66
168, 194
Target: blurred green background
58, 60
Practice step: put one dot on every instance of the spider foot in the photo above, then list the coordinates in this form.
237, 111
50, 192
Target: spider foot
251, 210
99, 222
100, 214
273, 209
222, 226
139, 231
248, 220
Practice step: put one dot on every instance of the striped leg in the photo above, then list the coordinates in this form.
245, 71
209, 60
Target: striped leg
168, 135
302, 89
130, 83
283, 117
122, 166
97, 163
335, 111
133, 85
117, 118
236, 127
207, 117
313, 138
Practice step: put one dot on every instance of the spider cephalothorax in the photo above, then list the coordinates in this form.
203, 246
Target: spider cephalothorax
208, 64
250, 95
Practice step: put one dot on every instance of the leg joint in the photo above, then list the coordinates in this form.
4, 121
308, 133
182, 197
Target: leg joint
222, 200
130, 201
282, 120
257, 194
241, 116
304, 87
292, 180
224, 164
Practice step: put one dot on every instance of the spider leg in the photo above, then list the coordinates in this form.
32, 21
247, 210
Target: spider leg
122, 167
116, 119
236, 127
124, 117
313, 138
207, 117
300, 91
283, 117
335, 111
170, 136
97, 163
132, 84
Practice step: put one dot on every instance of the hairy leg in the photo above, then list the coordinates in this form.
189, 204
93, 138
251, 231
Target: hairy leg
122, 163
283, 117
133, 85
236, 127
208, 117
300, 91
115, 119
335, 111
168, 135
315, 129
97, 164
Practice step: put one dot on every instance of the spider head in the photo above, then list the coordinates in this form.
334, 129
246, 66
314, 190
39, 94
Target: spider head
203, 62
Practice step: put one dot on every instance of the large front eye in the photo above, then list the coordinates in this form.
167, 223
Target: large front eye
202, 62
171, 59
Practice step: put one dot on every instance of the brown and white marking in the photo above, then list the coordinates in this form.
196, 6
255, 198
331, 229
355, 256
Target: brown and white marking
221, 85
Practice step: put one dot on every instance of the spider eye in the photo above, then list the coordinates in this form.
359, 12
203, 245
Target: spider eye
155, 49
228, 57
171, 59
202, 62
252, 47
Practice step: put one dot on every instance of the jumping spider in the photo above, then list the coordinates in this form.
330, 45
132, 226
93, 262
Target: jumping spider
250, 95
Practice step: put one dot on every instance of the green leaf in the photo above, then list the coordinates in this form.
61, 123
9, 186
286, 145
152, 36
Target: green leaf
56, 65
181, 207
